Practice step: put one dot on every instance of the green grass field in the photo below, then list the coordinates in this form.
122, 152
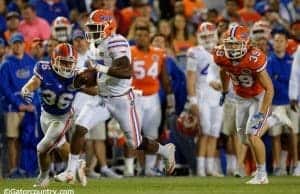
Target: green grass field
171, 185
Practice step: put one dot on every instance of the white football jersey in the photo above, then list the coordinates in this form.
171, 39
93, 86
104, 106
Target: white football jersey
111, 48
201, 61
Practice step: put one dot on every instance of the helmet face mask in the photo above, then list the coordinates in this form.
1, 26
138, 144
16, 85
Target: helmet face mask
62, 34
64, 60
61, 29
236, 42
207, 35
101, 24
95, 32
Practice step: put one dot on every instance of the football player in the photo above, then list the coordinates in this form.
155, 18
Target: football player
111, 56
61, 29
203, 99
149, 71
245, 67
55, 79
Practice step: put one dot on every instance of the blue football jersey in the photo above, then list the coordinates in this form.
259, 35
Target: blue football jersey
57, 93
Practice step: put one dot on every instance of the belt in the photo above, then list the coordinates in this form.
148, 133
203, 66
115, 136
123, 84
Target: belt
125, 93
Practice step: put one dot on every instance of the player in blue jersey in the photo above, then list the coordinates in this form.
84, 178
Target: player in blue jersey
55, 81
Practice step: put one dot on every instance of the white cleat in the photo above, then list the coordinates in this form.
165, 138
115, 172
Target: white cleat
80, 174
153, 172
65, 177
259, 180
296, 171
92, 174
42, 182
201, 173
110, 174
170, 160
215, 174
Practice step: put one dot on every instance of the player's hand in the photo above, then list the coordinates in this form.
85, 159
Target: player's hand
216, 85
222, 98
26, 108
194, 110
170, 104
257, 120
294, 105
27, 95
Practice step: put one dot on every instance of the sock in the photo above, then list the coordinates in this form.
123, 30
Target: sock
283, 158
234, 162
161, 165
229, 164
73, 163
209, 165
44, 174
218, 165
129, 165
149, 161
163, 150
261, 168
200, 164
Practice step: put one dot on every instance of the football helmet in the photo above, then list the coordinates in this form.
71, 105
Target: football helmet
207, 35
100, 25
236, 41
61, 29
64, 59
260, 29
187, 124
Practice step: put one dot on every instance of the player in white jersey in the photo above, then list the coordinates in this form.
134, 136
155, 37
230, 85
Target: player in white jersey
95, 145
110, 54
204, 99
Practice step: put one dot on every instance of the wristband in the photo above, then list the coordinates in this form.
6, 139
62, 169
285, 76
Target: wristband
192, 99
102, 68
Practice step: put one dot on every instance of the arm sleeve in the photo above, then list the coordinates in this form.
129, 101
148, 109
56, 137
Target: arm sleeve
295, 76
5, 87
191, 61
213, 72
119, 47
38, 70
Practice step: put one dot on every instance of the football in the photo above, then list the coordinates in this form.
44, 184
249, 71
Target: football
86, 78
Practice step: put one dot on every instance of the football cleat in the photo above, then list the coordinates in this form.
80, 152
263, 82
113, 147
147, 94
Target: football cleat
65, 177
42, 182
107, 172
170, 160
259, 179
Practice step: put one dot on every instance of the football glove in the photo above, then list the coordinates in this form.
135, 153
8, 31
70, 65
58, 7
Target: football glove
222, 98
27, 95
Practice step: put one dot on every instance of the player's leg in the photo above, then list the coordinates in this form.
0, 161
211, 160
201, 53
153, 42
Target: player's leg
258, 147
98, 136
294, 128
150, 125
85, 121
130, 123
203, 162
214, 133
54, 129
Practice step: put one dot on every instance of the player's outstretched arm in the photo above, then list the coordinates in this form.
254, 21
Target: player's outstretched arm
28, 89
224, 80
267, 84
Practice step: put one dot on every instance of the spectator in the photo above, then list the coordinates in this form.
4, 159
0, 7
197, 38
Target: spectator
2, 18
292, 11
295, 37
37, 49
2, 51
181, 39
212, 16
16, 5
13, 22
191, 7
248, 14
80, 6
231, 11
279, 69
137, 8
50, 9
50, 45
16, 70
164, 28
33, 26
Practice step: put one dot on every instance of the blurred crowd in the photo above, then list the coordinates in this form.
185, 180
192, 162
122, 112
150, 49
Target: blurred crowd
29, 31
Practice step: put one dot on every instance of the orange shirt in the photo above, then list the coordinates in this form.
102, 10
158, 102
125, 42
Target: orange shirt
248, 17
146, 69
181, 46
192, 5
243, 73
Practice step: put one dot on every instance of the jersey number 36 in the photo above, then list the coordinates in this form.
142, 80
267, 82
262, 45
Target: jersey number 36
62, 101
